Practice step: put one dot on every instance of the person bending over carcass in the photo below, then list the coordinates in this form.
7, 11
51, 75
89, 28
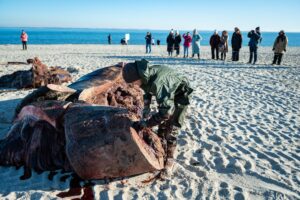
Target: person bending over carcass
172, 93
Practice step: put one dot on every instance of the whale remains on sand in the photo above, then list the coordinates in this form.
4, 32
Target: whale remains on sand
84, 128
39, 75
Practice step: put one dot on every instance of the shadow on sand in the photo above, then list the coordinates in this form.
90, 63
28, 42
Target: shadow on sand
200, 63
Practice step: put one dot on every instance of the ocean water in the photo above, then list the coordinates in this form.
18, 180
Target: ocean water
99, 36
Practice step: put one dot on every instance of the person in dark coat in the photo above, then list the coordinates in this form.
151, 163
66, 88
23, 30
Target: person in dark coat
236, 44
279, 47
109, 39
177, 42
148, 39
214, 44
255, 39
170, 43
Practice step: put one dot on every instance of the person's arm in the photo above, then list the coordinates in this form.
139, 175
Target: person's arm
285, 43
147, 103
166, 107
274, 45
249, 34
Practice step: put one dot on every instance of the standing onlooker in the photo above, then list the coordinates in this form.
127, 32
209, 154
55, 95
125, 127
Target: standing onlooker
170, 43
158, 42
279, 47
236, 44
255, 38
177, 42
148, 39
24, 39
109, 39
186, 45
223, 47
214, 44
196, 43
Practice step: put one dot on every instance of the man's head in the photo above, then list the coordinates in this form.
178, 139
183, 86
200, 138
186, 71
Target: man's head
130, 74
215, 32
281, 32
257, 29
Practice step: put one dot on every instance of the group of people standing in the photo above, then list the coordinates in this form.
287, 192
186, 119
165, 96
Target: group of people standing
174, 40
219, 44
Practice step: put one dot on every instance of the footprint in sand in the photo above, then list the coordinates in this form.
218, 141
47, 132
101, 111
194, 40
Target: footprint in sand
224, 191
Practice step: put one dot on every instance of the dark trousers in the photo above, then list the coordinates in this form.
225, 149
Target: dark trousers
24, 44
177, 51
235, 55
223, 56
277, 58
213, 50
253, 54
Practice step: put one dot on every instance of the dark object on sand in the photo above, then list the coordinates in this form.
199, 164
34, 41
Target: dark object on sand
39, 75
84, 128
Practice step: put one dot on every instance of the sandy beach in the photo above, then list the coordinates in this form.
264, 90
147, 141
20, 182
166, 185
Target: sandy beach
242, 134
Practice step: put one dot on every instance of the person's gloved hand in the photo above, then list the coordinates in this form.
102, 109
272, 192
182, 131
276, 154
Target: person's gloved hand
273, 49
146, 112
139, 125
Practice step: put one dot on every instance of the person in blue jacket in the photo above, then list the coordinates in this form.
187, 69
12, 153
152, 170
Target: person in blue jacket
148, 39
255, 39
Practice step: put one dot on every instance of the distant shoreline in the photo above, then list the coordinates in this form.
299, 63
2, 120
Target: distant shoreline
135, 29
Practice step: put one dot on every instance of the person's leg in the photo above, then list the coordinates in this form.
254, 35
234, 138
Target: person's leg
150, 48
255, 54
279, 58
187, 52
233, 55
251, 55
275, 59
25, 45
198, 56
217, 52
224, 55
212, 53
238, 55
146, 48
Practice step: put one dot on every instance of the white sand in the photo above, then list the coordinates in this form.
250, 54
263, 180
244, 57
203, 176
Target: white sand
242, 135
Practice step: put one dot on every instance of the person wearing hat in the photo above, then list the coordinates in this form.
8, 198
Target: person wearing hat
255, 39
196, 43
24, 39
170, 43
177, 42
279, 47
236, 44
214, 44
172, 93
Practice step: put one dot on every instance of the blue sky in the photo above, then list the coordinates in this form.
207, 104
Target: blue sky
270, 15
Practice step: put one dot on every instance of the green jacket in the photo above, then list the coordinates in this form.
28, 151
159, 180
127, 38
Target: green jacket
163, 83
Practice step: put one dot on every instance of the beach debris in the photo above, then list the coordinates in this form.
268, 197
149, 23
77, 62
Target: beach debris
83, 128
39, 75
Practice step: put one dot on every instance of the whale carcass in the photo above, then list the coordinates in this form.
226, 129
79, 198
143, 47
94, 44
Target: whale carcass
84, 128
39, 75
